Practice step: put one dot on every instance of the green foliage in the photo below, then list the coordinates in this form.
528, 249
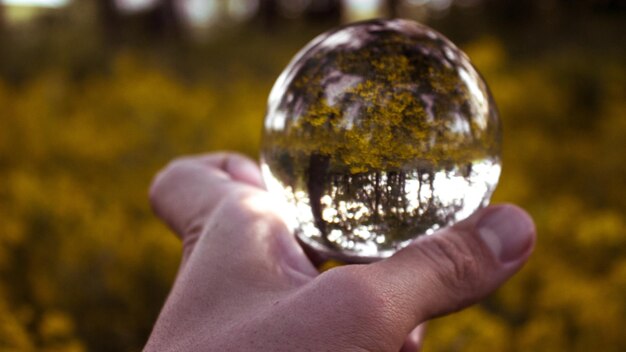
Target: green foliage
85, 266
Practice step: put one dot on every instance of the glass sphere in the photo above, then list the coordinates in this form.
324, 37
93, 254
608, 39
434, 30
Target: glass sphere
377, 133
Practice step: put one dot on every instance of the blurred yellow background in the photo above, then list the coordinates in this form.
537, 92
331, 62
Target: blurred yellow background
97, 95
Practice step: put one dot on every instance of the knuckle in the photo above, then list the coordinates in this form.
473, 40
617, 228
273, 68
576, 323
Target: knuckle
457, 265
170, 185
236, 203
164, 176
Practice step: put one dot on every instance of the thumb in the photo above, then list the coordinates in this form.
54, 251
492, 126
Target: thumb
457, 266
375, 307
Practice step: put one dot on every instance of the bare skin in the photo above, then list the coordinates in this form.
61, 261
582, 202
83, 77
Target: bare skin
244, 284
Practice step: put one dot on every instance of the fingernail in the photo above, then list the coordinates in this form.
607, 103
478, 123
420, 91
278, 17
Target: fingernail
507, 231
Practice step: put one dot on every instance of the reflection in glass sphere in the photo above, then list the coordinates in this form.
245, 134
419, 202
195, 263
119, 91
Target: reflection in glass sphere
376, 133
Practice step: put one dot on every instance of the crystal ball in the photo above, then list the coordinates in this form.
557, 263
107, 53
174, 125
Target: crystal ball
377, 133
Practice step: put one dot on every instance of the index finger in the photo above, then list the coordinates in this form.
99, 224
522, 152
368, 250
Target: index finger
187, 190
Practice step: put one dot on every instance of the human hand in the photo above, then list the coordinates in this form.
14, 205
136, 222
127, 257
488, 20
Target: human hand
244, 283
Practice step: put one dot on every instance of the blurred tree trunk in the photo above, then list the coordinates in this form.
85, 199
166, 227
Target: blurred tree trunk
267, 14
165, 22
109, 20
392, 8
512, 10
2, 22
3, 35
324, 11
156, 24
